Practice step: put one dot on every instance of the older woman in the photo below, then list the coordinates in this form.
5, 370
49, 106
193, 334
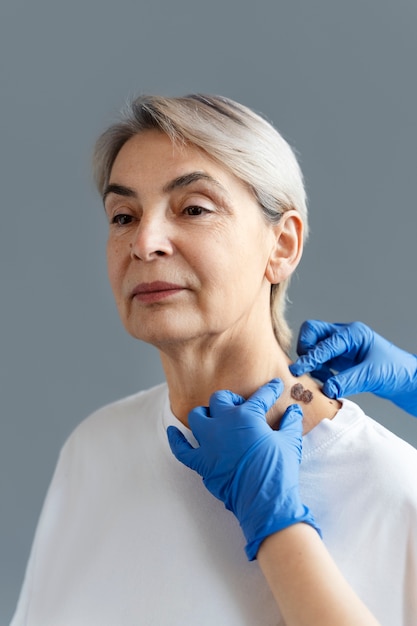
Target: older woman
207, 215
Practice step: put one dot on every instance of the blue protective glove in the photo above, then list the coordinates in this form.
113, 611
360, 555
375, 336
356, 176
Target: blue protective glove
351, 358
250, 467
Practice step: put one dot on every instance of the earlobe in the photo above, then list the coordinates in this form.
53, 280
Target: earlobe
287, 248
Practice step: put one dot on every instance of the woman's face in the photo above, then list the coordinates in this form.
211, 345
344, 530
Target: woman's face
188, 246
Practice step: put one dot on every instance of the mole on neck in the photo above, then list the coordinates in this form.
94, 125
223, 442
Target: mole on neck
300, 394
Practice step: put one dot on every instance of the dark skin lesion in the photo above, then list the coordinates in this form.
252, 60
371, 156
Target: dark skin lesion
300, 394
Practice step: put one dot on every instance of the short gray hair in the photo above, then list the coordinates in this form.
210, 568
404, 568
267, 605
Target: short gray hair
236, 137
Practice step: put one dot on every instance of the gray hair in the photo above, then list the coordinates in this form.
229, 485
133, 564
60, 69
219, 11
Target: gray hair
236, 137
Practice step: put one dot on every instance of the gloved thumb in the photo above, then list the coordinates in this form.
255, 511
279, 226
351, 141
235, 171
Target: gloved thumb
265, 397
180, 447
292, 423
353, 380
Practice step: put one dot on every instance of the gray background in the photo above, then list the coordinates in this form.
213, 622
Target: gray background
337, 78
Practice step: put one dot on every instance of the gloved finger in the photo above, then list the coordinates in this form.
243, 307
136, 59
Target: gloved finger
223, 400
181, 448
265, 397
299, 367
197, 421
292, 424
337, 344
311, 332
356, 379
322, 373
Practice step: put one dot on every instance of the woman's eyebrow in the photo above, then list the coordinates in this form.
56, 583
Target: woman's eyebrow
192, 177
119, 190
176, 183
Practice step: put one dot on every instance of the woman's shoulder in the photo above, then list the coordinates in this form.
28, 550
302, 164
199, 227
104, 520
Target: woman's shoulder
130, 404
119, 418
358, 432
359, 450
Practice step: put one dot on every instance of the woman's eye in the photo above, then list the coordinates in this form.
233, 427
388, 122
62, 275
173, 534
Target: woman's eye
122, 219
195, 210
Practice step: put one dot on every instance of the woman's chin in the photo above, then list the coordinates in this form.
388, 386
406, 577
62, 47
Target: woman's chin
162, 336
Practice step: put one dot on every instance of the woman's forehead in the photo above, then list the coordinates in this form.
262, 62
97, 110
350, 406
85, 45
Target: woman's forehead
152, 157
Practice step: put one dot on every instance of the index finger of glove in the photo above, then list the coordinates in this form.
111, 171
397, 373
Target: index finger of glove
292, 424
222, 401
325, 351
312, 332
265, 397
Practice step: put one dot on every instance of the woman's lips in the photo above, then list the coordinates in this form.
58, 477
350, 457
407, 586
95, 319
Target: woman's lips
155, 291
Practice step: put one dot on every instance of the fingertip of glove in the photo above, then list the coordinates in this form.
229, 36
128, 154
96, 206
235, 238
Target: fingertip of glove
299, 367
294, 409
225, 397
297, 409
276, 385
295, 368
303, 365
292, 418
330, 389
175, 437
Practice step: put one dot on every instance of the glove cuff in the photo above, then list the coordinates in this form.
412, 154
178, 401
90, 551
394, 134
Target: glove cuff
277, 524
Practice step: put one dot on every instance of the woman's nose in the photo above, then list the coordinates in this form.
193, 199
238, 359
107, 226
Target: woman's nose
151, 239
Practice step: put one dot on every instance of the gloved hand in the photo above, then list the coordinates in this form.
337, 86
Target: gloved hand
351, 358
250, 467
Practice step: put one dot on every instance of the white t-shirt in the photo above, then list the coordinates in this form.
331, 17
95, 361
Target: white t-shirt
128, 536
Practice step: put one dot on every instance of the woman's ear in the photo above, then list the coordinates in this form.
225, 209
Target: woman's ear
287, 248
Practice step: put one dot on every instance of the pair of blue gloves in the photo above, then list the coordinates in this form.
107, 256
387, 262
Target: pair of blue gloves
253, 469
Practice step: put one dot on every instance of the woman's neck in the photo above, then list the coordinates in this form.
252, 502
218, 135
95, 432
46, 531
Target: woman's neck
194, 373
